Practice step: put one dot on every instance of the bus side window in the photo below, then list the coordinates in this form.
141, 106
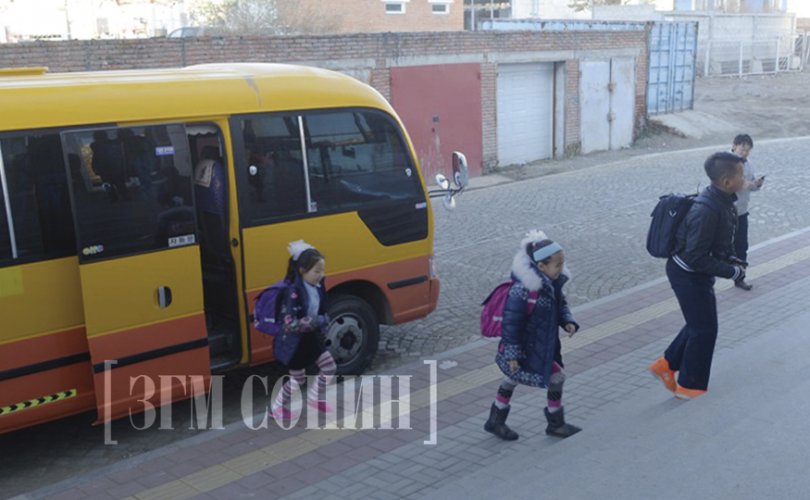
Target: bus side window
37, 187
275, 168
355, 158
132, 189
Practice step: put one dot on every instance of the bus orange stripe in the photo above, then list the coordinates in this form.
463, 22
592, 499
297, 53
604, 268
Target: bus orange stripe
410, 302
77, 376
406, 303
147, 338
45, 348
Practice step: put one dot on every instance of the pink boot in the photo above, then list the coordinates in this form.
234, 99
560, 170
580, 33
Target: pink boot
320, 405
281, 413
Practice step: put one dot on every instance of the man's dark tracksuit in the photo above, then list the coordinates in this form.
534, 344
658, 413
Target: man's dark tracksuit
704, 250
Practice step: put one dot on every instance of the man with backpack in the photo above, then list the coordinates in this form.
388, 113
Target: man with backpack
703, 249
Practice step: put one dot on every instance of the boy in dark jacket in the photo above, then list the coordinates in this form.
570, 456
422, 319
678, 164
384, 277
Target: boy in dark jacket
704, 251
741, 147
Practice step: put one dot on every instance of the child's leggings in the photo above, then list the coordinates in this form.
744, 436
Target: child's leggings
327, 366
554, 394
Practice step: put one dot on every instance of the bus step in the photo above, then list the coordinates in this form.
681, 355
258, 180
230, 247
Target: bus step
218, 343
221, 362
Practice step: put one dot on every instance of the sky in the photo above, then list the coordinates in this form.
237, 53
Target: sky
800, 7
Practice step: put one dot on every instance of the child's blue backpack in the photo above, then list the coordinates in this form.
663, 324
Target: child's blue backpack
494, 304
265, 313
666, 217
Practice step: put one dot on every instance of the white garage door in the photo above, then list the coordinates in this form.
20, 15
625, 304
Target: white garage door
594, 105
607, 103
622, 102
525, 118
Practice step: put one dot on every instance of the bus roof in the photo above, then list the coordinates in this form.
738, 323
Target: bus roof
41, 100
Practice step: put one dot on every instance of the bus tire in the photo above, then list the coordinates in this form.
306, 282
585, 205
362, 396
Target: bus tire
353, 334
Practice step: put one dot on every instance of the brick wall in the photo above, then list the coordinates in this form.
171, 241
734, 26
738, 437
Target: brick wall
368, 57
642, 76
489, 114
573, 141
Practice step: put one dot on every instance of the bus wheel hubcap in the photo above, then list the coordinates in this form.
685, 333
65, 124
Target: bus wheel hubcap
344, 338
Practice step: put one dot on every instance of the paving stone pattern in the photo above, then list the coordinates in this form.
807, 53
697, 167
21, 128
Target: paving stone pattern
600, 216
464, 447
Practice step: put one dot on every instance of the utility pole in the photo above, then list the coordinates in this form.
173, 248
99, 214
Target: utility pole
67, 20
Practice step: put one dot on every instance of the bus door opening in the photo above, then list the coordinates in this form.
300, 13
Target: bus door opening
218, 270
139, 263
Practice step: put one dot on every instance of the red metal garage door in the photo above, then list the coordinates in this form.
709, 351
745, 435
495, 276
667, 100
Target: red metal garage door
441, 108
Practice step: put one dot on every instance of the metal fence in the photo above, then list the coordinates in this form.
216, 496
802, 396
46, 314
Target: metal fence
803, 49
754, 57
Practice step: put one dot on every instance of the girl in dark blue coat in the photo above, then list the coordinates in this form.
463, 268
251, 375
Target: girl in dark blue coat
301, 342
530, 352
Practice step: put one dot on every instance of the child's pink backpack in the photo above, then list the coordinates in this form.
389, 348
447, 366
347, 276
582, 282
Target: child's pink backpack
494, 304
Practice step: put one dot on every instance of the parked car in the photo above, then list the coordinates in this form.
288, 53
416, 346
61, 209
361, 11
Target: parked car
194, 31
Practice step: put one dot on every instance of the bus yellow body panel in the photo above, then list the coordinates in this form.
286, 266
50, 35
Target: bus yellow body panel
125, 291
343, 238
170, 94
40, 298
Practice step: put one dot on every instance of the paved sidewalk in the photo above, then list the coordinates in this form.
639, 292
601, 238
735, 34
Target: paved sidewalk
747, 438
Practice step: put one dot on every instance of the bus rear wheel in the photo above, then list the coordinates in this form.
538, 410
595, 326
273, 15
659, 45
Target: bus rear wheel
352, 335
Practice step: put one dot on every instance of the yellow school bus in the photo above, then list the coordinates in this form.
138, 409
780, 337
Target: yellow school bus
142, 212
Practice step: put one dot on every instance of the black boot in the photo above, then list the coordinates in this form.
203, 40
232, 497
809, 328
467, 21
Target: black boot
497, 424
557, 426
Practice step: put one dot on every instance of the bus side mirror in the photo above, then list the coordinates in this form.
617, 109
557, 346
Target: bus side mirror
460, 172
460, 178
442, 182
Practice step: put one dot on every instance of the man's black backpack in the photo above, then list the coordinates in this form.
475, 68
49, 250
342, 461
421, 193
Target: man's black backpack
666, 217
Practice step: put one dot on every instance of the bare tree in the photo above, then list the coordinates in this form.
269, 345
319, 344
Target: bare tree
309, 16
731, 6
266, 17
239, 17
580, 5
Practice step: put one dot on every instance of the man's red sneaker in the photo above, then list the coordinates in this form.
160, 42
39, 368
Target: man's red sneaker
660, 369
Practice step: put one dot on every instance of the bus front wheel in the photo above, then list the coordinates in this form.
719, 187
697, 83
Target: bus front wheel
353, 334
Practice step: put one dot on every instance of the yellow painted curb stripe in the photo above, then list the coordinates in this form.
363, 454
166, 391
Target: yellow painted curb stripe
37, 402
244, 465
236, 468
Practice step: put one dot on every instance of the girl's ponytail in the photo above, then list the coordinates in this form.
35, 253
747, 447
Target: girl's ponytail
292, 271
